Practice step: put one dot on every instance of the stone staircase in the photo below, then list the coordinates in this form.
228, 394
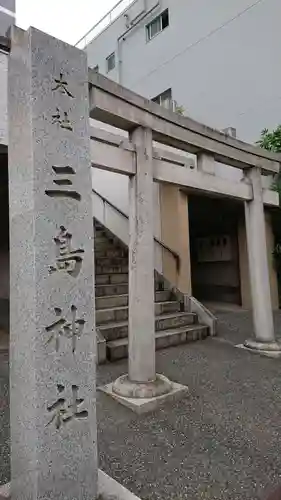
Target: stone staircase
173, 325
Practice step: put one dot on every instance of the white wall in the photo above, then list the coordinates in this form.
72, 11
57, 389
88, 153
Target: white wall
115, 187
7, 10
224, 71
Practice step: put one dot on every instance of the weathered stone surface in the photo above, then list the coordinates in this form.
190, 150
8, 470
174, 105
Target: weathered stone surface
53, 421
258, 263
148, 404
141, 263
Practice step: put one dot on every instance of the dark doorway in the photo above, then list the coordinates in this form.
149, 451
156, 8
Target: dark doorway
4, 244
214, 249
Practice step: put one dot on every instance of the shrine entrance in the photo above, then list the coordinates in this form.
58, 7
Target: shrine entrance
214, 249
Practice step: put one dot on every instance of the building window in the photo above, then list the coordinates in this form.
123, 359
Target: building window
158, 24
110, 62
164, 99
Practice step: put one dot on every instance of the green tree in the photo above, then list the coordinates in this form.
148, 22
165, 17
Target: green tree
271, 140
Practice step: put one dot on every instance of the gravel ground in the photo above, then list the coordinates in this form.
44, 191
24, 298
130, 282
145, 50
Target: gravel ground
237, 326
221, 442
4, 418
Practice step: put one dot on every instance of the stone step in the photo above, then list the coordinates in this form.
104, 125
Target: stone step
118, 349
103, 245
174, 320
112, 289
102, 238
106, 279
120, 313
168, 306
114, 330
163, 296
114, 314
114, 269
119, 329
107, 301
106, 290
100, 230
158, 286
111, 251
111, 261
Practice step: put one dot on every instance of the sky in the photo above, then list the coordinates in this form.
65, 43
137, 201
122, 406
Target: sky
67, 20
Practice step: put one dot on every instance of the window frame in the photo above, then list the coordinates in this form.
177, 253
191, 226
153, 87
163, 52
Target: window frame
158, 99
111, 56
156, 19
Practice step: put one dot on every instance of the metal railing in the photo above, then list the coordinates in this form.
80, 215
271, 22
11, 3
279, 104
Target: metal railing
105, 21
163, 245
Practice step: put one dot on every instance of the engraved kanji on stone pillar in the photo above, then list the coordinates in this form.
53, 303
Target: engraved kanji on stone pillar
67, 259
53, 419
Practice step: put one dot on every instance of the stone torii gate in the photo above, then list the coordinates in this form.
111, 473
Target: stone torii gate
51, 96
145, 121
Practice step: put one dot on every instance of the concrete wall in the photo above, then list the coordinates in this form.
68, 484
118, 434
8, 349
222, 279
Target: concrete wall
218, 58
175, 234
7, 15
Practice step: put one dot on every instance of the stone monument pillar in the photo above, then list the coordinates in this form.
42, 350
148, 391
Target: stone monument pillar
53, 346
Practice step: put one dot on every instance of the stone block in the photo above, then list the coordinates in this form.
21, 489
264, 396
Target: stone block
102, 279
114, 301
104, 316
101, 347
119, 278
145, 405
173, 320
162, 296
167, 307
108, 489
109, 289
53, 344
117, 349
114, 331
111, 269
261, 352
111, 261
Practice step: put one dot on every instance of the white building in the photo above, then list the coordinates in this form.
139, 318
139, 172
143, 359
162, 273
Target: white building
217, 59
218, 62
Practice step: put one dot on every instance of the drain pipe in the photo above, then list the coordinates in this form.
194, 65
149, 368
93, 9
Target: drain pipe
140, 17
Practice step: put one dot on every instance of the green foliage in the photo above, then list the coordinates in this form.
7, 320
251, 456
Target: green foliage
276, 186
179, 109
271, 140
